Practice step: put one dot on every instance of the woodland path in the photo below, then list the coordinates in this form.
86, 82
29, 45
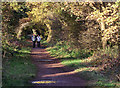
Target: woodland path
50, 69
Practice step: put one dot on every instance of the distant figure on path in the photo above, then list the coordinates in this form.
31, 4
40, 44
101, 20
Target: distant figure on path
34, 40
38, 40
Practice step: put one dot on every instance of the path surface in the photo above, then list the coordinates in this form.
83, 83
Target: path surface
50, 69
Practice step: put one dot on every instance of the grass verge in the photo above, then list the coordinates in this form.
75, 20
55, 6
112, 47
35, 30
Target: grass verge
18, 70
88, 64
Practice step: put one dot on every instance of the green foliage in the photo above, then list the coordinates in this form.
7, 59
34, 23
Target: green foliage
18, 70
105, 56
16, 64
93, 66
76, 31
67, 13
73, 17
11, 13
64, 50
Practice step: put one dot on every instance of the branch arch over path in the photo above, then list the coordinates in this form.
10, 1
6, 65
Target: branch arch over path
22, 24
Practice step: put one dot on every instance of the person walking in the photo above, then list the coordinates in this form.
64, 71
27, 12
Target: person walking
33, 40
38, 40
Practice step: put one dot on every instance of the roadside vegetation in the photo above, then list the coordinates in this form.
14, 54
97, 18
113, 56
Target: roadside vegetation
97, 67
84, 35
18, 69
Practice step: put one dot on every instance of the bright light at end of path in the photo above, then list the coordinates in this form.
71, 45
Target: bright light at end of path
43, 82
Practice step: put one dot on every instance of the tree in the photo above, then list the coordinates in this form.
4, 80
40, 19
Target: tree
106, 16
11, 13
45, 14
105, 13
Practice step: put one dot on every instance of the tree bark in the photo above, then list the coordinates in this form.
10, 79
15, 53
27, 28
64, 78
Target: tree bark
50, 33
104, 40
20, 29
119, 43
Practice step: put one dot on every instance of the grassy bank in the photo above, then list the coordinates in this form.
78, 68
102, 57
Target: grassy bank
97, 67
18, 68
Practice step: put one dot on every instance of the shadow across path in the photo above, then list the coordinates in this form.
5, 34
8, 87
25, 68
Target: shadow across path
50, 72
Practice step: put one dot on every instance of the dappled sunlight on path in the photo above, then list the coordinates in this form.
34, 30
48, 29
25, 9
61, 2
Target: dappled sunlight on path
59, 74
50, 69
54, 65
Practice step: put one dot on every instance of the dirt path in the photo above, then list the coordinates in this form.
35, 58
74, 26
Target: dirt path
50, 69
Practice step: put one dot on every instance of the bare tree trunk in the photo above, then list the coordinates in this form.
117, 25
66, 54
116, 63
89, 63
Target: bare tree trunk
50, 33
20, 29
104, 40
119, 42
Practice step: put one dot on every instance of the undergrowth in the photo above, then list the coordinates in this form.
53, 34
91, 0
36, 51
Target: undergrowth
98, 67
17, 67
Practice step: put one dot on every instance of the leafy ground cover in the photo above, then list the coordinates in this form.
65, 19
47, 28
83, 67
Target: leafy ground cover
97, 67
18, 69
